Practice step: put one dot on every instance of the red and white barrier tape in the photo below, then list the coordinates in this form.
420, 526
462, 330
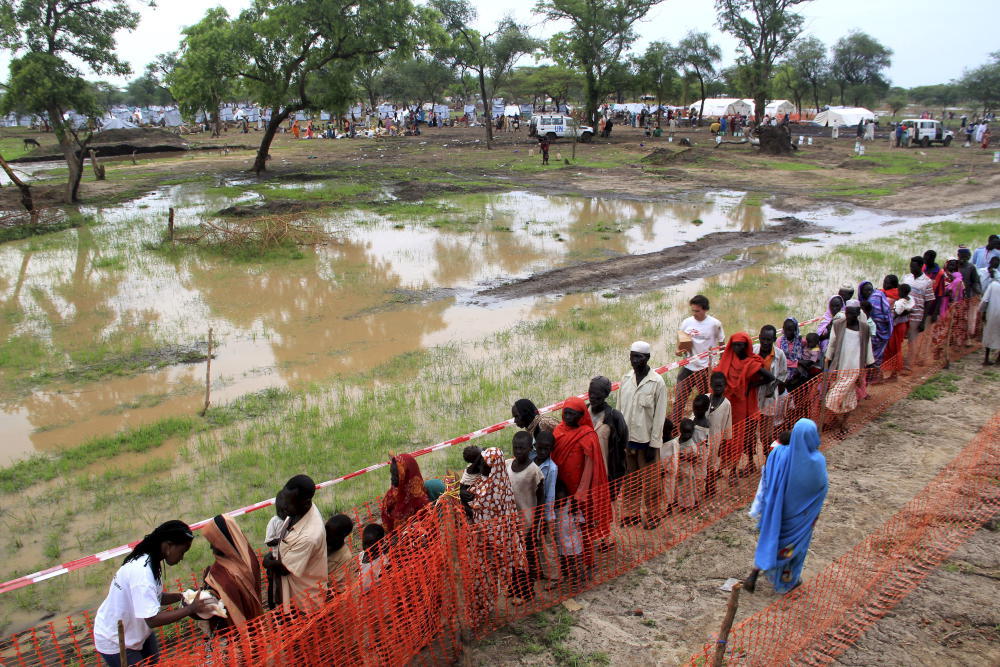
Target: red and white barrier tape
124, 549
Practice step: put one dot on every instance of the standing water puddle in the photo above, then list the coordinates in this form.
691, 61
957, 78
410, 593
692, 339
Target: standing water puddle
385, 287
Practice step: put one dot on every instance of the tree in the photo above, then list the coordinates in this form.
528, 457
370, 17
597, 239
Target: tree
599, 32
558, 83
489, 57
303, 55
764, 30
808, 59
787, 82
204, 73
857, 67
419, 79
107, 94
657, 74
146, 91
43, 35
896, 104
983, 83
942, 94
698, 56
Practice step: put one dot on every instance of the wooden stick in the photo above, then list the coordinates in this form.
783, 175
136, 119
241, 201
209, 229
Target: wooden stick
727, 624
170, 226
208, 375
123, 654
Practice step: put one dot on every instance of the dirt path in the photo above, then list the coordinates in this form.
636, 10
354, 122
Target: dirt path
652, 270
872, 474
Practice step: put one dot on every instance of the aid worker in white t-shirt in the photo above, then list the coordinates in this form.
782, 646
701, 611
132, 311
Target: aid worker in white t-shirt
136, 595
697, 334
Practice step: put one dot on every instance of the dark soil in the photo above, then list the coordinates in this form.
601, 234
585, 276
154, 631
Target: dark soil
117, 142
270, 208
651, 270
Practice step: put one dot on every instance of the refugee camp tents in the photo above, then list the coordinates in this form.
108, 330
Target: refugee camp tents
843, 116
779, 108
172, 118
117, 124
723, 106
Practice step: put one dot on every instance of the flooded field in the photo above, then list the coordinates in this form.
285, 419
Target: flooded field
82, 298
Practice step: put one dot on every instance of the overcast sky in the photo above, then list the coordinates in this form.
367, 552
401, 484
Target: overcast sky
931, 41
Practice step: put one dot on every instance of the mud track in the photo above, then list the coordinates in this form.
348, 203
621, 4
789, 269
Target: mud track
637, 273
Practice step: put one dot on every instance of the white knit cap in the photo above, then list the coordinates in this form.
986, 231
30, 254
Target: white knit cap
641, 347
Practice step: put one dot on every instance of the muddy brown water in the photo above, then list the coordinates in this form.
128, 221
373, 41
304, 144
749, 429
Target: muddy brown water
383, 288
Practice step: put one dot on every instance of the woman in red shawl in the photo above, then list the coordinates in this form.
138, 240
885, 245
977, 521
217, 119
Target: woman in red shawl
892, 359
581, 468
234, 577
407, 494
744, 372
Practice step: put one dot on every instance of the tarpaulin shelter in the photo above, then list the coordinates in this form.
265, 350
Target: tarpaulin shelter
843, 116
722, 106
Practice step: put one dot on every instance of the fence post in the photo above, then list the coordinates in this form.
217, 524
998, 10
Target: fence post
208, 375
170, 226
727, 624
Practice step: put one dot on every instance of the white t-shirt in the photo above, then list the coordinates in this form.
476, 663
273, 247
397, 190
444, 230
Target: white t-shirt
133, 597
704, 336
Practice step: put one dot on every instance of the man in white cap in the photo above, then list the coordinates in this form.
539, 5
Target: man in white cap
642, 400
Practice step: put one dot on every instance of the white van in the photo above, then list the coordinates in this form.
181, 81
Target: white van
553, 126
928, 131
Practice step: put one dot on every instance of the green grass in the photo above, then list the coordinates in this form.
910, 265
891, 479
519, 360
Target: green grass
18, 232
42, 468
901, 163
13, 147
23, 353
936, 387
116, 262
804, 239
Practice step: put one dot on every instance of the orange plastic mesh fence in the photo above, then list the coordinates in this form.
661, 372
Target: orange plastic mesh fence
864, 584
441, 580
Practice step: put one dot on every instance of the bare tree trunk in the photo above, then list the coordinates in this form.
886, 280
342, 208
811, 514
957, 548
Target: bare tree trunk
260, 162
26, 199
487, 110
216, 123
99, 173
701, 111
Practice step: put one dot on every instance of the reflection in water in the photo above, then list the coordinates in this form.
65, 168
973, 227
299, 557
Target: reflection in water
343, 309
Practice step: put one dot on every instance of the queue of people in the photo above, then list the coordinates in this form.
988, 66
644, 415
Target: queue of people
570, 487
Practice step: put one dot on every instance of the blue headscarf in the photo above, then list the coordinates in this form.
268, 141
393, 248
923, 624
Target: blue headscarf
435, 488
794, 487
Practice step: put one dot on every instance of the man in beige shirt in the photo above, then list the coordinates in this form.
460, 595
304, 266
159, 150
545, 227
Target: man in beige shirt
642, 400
301, 558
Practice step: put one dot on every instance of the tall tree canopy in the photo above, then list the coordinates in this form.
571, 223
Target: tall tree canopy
983, 83
204, 72
697, 55
599, 32
809, 64
764, 30
489, 57
657, 73
43, 35
858, 66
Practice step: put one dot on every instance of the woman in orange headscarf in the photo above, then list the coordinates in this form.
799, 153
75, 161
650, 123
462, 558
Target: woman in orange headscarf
407, 494
581, 469
235, 574
744, 372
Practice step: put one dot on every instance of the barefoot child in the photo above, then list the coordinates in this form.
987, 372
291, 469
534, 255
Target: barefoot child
702, 430
687, 458
720, 420
569, 538
526, 482
545, 518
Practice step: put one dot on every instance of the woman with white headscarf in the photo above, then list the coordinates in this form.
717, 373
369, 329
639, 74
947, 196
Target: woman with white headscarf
849, 351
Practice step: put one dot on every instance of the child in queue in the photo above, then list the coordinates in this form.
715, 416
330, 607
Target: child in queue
702, 431
720, 430
685, 452
371, 564
526, 481
569, 537
338, 552
545, 516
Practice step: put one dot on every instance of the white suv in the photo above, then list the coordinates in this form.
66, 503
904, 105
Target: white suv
553, 126
927, 132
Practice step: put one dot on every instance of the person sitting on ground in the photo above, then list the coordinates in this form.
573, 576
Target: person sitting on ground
849, 352
300, 562
720, 430
371, 564
611, 429
435, 488
407, 495
793, 487
338, 551
136, 595
234, 577
526, 481
526, 416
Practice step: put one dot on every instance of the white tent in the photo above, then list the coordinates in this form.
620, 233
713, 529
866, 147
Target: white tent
172, 118
842, 116
117, 124
722, 106
779, 108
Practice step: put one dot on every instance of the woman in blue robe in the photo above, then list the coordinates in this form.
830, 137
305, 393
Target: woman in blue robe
791, 494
